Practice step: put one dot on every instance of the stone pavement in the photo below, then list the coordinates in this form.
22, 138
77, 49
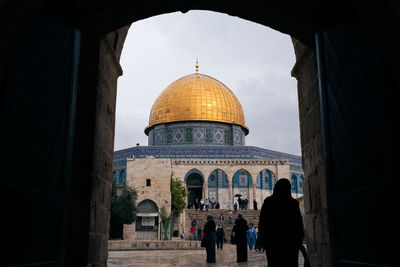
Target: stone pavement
192, 258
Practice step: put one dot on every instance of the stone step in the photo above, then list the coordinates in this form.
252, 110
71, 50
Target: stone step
118, 245
251, 216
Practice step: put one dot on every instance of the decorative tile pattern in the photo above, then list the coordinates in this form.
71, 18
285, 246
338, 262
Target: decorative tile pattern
218, 179
209, 137
241, 179
198, 134
179, 136
237, 139
297, 180
266, 180
218, 136
158, 138
227, 137
188, 135
169, 137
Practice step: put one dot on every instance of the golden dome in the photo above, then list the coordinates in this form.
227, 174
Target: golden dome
197, 97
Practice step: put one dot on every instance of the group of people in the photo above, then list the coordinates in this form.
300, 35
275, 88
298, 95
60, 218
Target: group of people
244, 204
201, 204
280, 232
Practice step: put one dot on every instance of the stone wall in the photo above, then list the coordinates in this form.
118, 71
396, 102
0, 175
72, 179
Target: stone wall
92, 167
315, 209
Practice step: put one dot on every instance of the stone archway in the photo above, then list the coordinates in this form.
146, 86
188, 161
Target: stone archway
88, 185
218, 188
241, 183
147, 222
265, 183
194, 184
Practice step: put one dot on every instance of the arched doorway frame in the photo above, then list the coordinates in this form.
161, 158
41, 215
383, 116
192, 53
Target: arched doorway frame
264, 188
220, 187
240, 186
147, 225
101, 20
195, 191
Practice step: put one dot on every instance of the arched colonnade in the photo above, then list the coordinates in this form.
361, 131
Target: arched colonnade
225, 184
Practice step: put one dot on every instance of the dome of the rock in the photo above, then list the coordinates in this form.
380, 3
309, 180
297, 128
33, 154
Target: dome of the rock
197, 97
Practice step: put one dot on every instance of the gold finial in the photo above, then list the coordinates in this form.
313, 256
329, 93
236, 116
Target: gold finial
197, 65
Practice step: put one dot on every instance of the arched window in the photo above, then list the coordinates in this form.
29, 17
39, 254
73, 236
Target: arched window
293, 179
301, 183
241, 179
266, 179
218, 179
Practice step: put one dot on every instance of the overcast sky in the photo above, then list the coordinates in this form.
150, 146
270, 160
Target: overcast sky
252, 60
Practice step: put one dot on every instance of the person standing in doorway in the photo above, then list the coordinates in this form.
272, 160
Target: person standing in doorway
240, 235
220, 236
196, 204
281, 226
210, 234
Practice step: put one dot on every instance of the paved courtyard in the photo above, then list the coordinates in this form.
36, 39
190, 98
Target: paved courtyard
192, 258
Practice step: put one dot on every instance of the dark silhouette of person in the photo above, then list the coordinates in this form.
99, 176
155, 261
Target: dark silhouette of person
220, 236
211, 235
255, 204
240, 228
281, 226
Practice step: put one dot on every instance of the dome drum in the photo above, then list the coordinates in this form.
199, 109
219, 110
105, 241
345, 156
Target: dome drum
196, 133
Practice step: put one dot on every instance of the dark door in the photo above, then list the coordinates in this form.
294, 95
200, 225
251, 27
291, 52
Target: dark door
194, 193
358, 104
194, 185
37, 106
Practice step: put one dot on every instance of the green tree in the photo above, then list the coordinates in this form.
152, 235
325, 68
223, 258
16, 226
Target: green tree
178, 204
123, 208
178, 194
166, 220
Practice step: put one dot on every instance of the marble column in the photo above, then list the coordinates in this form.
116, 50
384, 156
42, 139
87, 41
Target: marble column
251, 195
254, 193
276, 172
230, 195
205, 190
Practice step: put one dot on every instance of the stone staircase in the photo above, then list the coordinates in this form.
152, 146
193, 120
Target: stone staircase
251, 216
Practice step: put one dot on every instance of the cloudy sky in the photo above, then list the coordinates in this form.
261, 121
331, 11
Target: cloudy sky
252, 60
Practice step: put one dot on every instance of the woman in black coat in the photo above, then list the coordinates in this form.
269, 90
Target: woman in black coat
240, 228
210, 235
281, 226
220, 236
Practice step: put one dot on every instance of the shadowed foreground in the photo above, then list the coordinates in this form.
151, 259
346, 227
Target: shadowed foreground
146, 258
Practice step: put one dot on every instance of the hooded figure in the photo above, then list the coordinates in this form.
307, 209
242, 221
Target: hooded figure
281, 226
240, 228
211, 236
